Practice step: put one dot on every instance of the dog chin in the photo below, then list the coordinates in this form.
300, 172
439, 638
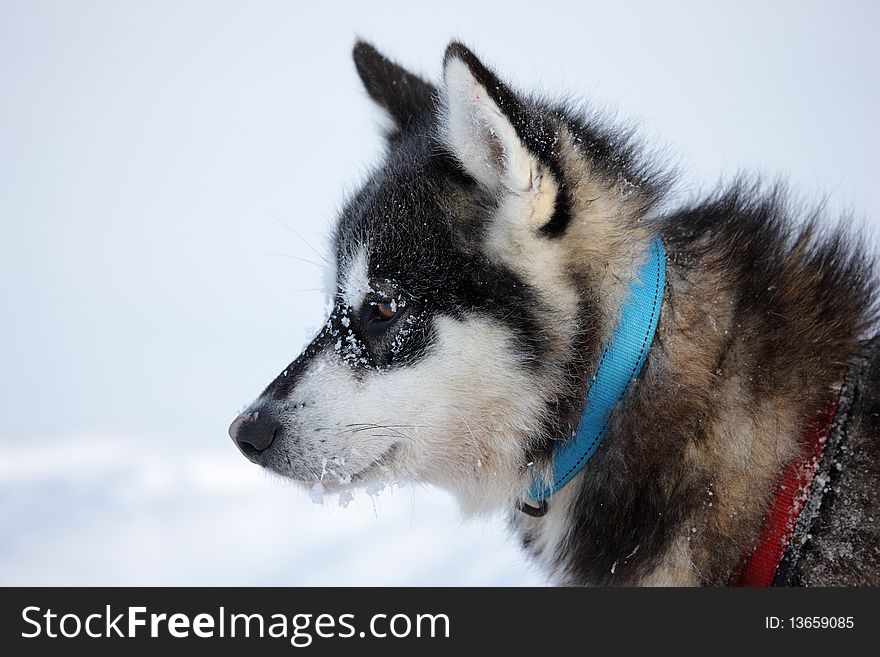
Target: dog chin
333, 478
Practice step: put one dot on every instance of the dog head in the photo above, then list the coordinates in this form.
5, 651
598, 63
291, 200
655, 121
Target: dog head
475, 270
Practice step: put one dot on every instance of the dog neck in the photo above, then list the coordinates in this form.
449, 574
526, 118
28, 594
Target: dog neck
620, 362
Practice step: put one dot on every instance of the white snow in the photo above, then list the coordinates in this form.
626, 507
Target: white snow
103, 511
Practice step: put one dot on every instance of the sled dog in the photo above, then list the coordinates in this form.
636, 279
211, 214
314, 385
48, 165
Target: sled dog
654, 392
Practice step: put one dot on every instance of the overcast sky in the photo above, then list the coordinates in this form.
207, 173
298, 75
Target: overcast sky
149, 153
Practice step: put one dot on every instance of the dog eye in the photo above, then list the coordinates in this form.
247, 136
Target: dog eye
386, 309
378, 315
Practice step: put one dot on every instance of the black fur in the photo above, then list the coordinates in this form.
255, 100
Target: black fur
405, 96
843, 546
416, 200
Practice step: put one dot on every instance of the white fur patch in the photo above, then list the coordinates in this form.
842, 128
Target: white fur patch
355, 278
458, 419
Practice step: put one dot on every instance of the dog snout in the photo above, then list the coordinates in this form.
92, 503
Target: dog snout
254, 432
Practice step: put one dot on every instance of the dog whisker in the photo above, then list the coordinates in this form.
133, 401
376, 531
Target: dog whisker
293, 257
304, 240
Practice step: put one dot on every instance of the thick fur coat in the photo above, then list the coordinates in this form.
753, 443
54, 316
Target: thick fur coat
479, 270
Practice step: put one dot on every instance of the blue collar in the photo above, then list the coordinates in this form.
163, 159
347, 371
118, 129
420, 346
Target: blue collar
620, 363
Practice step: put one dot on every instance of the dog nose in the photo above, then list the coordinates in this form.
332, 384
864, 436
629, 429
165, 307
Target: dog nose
254, 432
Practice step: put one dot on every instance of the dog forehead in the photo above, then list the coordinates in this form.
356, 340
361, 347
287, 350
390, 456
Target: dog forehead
401, 224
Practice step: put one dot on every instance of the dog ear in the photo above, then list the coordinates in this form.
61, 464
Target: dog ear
405, 96
480, 121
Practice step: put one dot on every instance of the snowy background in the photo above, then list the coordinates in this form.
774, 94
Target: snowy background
146, 149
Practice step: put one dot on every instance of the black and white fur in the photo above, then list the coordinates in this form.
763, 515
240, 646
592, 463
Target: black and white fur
478, 271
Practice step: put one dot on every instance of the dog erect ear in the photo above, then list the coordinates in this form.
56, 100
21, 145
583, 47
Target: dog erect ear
480, 120
403, 95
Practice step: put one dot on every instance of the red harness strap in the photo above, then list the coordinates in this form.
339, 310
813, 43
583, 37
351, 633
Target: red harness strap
759, 566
